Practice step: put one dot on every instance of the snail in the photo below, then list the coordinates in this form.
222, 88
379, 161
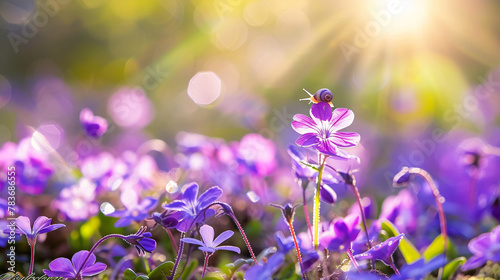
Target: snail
322, 95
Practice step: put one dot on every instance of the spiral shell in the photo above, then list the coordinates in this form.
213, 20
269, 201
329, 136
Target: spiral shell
323, 95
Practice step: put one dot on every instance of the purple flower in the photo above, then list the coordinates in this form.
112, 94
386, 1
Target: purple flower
484, 247
382, 252
41, 225
210, 245
265, 270
285, 244
32, 168
257, 153
142, 241
401, 210
321, 131
135, 210
167, 219
419, 269
77, 202
93, 126
341, 233
190, 205
63, 267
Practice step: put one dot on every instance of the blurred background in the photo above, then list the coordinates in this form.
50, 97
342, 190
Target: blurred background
408, 69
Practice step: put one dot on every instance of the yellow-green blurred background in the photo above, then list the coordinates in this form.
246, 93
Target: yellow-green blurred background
400, 65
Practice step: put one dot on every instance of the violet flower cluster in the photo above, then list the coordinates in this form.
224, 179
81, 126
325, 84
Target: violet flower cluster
254, 208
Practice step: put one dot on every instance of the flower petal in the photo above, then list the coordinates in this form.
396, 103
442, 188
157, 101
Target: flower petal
176, 205
80, 257
148, 244
23, 224
51, 228
474, 262
129, 198
40, 223
327, 147
223, 237
192, 241
207, 233
229, 248
93, 269
209, 196
341, 118
190, 193
345, 139
60, 266
304, 124
307, 139
321, 112
207, 249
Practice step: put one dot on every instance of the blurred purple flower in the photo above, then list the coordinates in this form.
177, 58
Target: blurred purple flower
190, 205
306, 174
341, 233
285, 244
265, 270
131, 108
383, 251
210, 245
40, 226
32, 168
93, 126
321, 130
401, 210
369, 207
63, 267
257, 154
78, 201
419, 269
484, 247
136, 210
142, 241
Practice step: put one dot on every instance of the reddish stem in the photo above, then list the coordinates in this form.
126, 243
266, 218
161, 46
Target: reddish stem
299, 257
207, 256
363, 218
32, 258
233, 217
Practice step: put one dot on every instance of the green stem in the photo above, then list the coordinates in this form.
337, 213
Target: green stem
317, 204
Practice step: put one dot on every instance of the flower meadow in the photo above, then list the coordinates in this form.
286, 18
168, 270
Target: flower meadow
249, 140
236, 210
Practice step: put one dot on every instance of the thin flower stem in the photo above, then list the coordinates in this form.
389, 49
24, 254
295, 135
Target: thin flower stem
363, 218
171, 236
299, 257
439, 203
205, 265
179, 255
32, 258
233, 217
95, 246
353, 260
306, 212
395, 269
317, 203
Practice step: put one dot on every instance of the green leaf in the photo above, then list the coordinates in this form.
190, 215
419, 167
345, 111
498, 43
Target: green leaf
142, 277
437, 247
129, 274
408, 250
189, 269
159, 273
451, 267
213, 276
289, 273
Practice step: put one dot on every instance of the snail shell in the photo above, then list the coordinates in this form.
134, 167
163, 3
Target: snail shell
322, 95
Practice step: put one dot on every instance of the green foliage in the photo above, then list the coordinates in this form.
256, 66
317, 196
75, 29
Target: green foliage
436, 248
159, 273
408, 250
451, 267
289, 273
189, 269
